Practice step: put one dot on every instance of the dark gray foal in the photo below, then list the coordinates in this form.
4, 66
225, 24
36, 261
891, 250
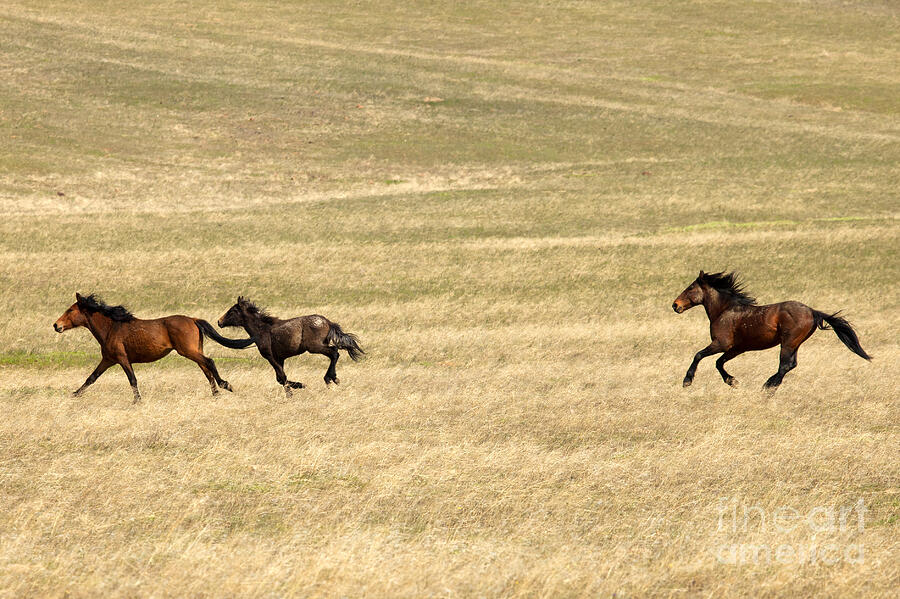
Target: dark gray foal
279, 339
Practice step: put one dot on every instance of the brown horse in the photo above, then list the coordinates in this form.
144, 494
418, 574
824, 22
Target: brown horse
737, 324
278, 339
126, 340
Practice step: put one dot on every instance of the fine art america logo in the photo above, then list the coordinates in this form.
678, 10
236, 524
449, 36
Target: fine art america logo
828, 534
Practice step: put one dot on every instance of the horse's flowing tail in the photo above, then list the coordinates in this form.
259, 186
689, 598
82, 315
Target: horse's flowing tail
336, 337
209, 331
843, 330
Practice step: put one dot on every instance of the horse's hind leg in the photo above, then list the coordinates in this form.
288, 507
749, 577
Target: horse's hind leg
331, 373
204, 363
215, 372
787, 362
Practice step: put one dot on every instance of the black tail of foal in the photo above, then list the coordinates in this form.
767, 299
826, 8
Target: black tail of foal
336, 337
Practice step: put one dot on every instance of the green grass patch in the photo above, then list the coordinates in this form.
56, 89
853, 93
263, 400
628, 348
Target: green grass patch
62, 359
71, 359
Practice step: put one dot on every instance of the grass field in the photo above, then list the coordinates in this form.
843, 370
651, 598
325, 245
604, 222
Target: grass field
501, 199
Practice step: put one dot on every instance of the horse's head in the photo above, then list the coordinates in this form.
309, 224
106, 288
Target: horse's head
71, 318
690, 297
234, 317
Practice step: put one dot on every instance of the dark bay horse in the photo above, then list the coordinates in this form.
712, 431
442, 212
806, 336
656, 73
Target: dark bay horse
737, 324
278, 339
126, 340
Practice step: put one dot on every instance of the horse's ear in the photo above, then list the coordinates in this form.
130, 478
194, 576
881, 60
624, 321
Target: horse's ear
701, 274
78, 297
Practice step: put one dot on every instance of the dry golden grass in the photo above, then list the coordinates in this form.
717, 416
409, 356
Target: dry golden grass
507, 256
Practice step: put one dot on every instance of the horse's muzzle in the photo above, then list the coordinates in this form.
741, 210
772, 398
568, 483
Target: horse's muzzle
57, 328
678, 309
219, 322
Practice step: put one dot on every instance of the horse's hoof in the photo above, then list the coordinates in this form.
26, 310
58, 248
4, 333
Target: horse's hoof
225, 385
731, 381
76, 393
771, 385
686, 383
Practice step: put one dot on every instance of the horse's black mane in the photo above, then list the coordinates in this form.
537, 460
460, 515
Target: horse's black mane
93, 303
256, 311
728, 284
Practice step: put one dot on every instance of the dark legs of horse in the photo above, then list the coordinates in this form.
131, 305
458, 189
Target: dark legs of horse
720, 366
709, 350
129, 372
209, 369
788, 357
281, 377
100, 369
206, 371
215, 372
787, 362
331, 373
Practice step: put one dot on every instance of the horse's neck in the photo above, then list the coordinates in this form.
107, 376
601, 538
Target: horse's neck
254, 326
99, 326
714, 304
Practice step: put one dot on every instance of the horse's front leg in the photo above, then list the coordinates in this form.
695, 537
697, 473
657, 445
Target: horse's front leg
129, 372
709, 350
720, 365
280, 376
102, 367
